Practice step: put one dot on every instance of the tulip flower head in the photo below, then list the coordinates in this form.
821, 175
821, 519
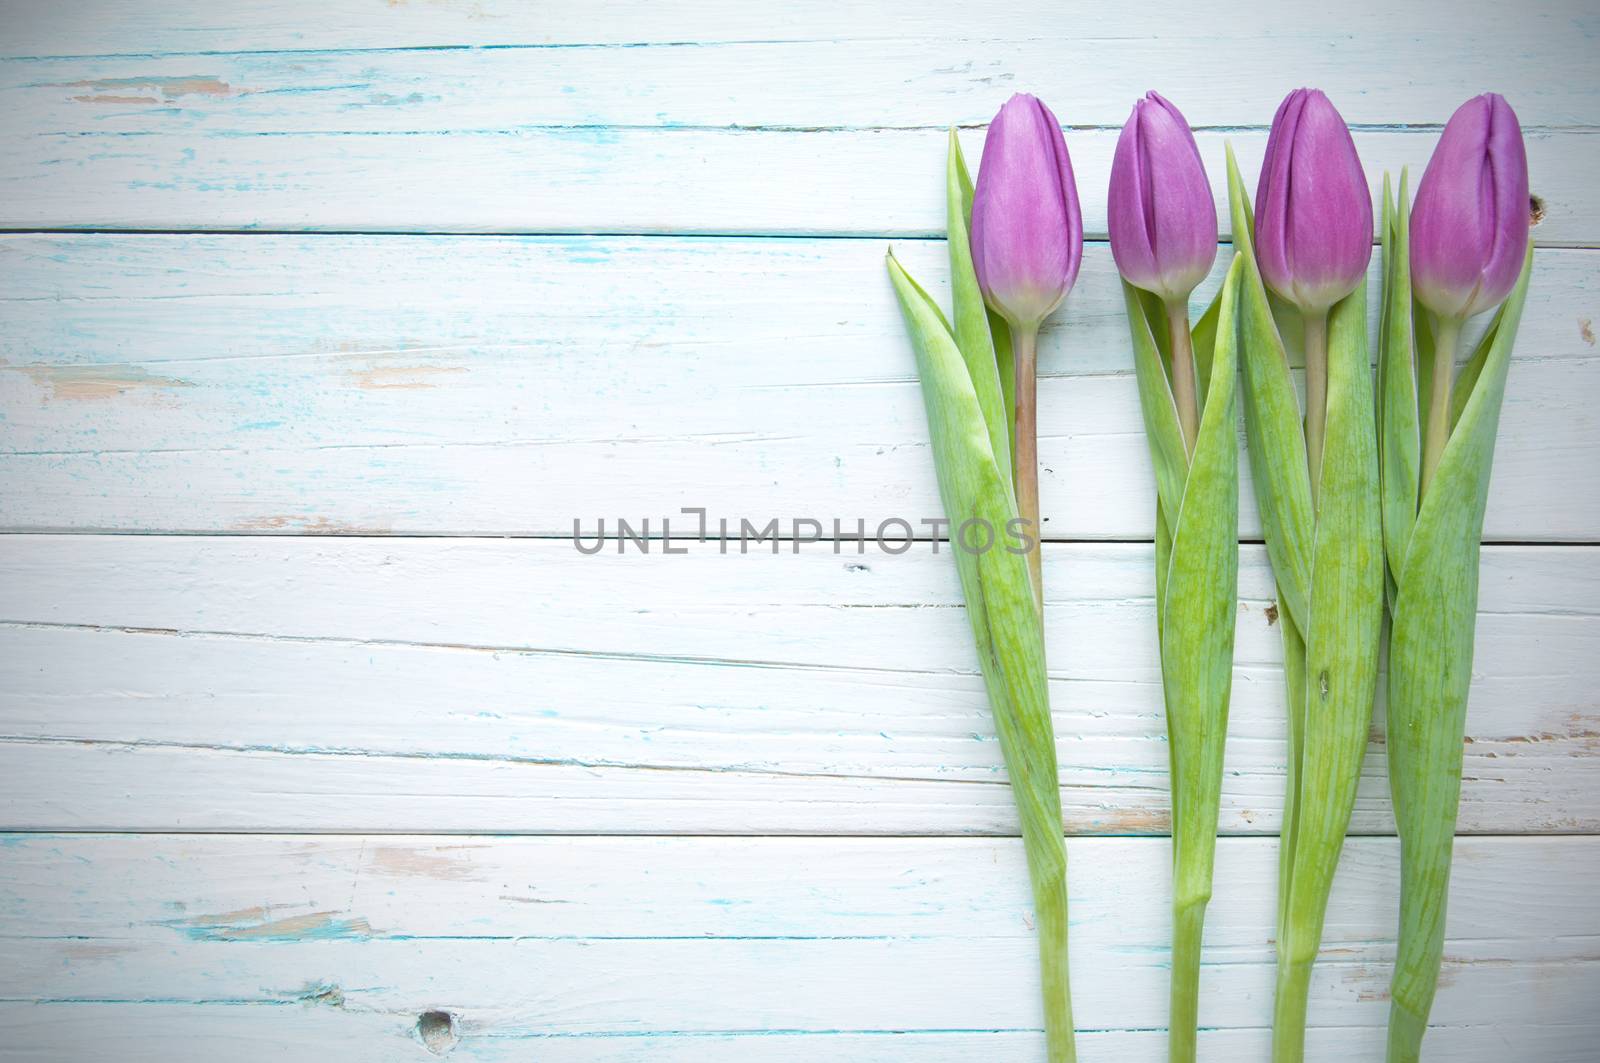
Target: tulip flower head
1163, 221
1313, 207
1027, 231
1469, 228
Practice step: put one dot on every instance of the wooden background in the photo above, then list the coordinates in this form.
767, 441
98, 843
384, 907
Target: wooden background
323, 322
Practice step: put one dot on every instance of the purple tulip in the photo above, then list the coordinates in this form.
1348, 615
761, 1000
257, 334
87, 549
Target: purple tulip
1313, 207
1469, 228
1027, 231
1163, 220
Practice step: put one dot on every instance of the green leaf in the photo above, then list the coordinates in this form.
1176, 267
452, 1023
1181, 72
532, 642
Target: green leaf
1294, 682
1467, 380
1204, 341
1162, 429
1005, 362
1277, 447
1399, 427
1198, 610
1006, 627
1341, 641
971, 315
1430, 670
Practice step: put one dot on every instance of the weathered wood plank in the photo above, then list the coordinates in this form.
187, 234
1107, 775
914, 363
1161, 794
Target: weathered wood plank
204, 1033
180, 27
379, 684
839, 80
377, 120
511, 385
736, 948
616, 180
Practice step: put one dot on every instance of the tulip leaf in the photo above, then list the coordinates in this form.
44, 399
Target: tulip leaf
1432, 626
971, 315
1399, 431
1162, 428
1204, 342
999, 331
1341, 637
1466, 381
1005, 362
1277, 447
1197, 611
1006, 627
1294, 683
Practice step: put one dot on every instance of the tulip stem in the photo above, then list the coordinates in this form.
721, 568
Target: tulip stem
1025, 449
1183, 385
1446, 340
1316, 344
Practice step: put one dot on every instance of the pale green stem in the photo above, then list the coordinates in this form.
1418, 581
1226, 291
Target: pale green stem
1446, 339
1183, 385
1316, 344
1025, 448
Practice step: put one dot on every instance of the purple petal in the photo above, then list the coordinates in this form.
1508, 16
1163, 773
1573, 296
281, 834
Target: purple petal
1314, 209
1469, 228
1163, 218
1272, 194
1027, 231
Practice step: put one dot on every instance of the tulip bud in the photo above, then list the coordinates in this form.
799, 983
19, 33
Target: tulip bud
1313, 207
1163, 221
1027, 231
1469, 228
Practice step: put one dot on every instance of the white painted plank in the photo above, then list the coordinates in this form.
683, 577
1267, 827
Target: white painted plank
380, 684
134, 1033
907, 80
681, 138
581, 948
618, 180
511, 385
92, 27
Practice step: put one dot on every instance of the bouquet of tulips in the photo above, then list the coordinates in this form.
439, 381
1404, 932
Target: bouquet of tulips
1364, 500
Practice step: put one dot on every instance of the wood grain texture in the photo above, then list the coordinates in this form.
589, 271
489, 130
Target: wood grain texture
326, 396
512, 385
707, 949
370, 684
835, 182
500, 117
187, 27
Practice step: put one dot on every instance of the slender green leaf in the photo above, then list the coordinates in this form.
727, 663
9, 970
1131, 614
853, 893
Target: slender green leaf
1399, 428
1422, 344
1198, 608
1466, 382
1294, 682
1006, 627
1277, 446
1430, 670
1341, 654
1204, 341
1155, 400
971, 315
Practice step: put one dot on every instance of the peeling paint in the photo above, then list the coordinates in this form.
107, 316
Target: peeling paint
246, 925
93, 383
402, 377
302, 525
106, 90
434, 862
